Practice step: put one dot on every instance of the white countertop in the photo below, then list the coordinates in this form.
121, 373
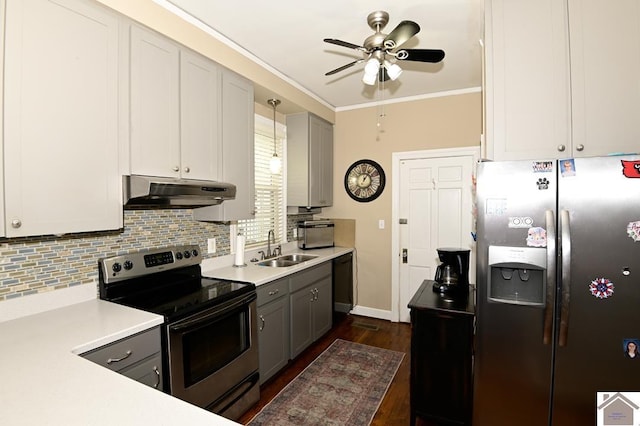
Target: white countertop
258, 275
44, 381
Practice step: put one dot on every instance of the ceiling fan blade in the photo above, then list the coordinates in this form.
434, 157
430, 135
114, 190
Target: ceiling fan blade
344, 67
400, 34
344, 44
420, 55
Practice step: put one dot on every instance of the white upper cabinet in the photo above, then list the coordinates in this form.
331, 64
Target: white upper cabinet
60, 118
236, 164
154, 105
174, 107
309, 161
605, 75
562, 78
527, 79
200, 150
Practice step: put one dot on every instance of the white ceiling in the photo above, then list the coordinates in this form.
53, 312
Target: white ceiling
287, 35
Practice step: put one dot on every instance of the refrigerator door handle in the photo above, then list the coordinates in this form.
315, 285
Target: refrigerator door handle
551, 275
566, 277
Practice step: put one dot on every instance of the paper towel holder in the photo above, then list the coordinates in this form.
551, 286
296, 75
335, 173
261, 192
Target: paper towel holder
239, 256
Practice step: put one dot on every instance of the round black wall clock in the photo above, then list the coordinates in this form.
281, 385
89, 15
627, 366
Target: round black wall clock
364, 180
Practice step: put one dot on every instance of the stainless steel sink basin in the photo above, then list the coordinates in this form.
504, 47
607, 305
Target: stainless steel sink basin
277, 263
298, 257
286, 260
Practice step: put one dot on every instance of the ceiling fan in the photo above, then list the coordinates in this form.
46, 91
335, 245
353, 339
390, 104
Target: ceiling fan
380, 50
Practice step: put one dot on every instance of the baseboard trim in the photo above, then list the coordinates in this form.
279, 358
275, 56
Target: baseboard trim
371, 312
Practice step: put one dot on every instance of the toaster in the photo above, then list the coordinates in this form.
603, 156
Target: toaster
315, 234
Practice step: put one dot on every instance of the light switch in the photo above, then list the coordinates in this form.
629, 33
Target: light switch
381, 224
211, 245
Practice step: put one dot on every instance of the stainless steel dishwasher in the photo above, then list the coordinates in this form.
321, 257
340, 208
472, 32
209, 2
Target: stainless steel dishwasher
343, 283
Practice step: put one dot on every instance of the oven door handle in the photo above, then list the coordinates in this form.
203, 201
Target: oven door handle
211, 313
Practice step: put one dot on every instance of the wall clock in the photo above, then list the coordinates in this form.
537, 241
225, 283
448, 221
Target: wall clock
364, 180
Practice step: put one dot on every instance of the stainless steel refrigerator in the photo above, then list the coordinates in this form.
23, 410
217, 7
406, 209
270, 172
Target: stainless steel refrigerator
558, 288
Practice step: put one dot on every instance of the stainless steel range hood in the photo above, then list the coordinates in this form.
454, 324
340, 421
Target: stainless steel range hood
151, 191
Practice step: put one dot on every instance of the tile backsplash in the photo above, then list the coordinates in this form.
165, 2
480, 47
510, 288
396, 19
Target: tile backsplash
39, 264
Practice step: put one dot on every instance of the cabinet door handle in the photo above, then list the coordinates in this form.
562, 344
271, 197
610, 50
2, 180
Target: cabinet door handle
580, 147
155, 370
262, 322
274, 292
561, 148
126, 355
176, 168
187, 169
16, 223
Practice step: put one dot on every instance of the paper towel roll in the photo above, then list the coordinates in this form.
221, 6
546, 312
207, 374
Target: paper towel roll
239, 259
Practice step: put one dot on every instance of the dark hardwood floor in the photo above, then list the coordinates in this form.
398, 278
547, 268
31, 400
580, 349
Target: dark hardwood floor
394, 409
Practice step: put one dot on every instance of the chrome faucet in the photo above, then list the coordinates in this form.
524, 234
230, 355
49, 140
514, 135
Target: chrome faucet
277, 250
270, 235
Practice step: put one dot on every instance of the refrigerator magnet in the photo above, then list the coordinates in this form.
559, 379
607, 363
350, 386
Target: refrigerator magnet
542, 166
543, 183
537, 237
631, 348
631, 169
567, 167
633, 230
601, 288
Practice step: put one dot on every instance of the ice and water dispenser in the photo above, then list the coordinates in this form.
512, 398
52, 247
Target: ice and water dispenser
517, 275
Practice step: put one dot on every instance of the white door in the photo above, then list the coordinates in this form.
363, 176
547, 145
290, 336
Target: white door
435, 210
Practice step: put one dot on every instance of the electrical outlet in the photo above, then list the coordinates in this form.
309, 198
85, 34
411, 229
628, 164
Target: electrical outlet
295, 233
211, 245
381, 224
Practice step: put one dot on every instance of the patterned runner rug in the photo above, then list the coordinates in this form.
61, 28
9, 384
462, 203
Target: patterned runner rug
343, 386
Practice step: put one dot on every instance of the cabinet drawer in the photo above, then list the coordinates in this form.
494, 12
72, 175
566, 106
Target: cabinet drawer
126, 352
272, 291
147, 371
309, 276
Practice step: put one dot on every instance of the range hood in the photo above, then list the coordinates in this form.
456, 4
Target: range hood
159, 192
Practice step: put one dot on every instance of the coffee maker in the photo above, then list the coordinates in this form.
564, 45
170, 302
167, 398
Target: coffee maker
452, 275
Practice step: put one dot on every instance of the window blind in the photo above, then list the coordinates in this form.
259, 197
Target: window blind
269, 188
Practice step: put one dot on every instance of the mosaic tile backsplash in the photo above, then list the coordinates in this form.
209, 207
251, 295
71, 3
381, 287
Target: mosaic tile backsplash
40, 264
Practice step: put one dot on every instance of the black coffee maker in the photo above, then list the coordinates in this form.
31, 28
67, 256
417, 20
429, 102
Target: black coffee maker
452, 275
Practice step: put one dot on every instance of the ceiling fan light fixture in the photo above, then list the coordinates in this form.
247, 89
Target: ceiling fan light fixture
372, 66
370, 79
393, 70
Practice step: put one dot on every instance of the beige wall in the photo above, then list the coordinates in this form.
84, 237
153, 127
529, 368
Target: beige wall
443, 122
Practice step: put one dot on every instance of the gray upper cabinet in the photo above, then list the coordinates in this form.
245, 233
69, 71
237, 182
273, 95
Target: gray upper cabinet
309, 161
577, 95
174, 109
60, 115
236, 163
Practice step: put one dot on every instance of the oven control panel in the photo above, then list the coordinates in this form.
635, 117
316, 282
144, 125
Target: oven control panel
131, 265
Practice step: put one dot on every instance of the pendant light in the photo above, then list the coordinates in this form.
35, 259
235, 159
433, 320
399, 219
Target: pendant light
275, 164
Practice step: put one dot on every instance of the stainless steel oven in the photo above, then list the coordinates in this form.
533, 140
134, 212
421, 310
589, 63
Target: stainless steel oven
210, 350
210, 335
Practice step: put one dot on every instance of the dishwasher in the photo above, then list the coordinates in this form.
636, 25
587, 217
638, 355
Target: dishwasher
343, 283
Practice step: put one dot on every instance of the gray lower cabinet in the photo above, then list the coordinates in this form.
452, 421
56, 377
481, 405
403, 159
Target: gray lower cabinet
273, 327
137, 357
310, 306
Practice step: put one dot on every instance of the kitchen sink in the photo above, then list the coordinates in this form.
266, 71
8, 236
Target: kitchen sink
286, 260
298, 257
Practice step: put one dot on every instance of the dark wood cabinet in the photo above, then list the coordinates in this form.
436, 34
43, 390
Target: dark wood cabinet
441, 357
